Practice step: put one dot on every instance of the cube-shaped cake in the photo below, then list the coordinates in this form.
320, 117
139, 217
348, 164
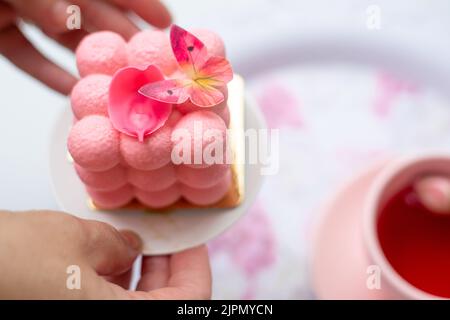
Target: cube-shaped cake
141, 108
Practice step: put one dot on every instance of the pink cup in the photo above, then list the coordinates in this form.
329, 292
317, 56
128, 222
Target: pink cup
394, 177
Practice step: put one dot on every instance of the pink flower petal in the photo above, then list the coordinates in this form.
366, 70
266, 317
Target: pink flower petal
189, 51
129, 111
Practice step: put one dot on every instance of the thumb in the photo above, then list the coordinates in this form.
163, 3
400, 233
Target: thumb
434, 193
109, 251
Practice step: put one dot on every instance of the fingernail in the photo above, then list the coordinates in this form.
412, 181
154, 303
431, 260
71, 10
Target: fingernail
132, 239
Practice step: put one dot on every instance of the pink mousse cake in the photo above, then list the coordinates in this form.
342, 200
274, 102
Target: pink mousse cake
117, 167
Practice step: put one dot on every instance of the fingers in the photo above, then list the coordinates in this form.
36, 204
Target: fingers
49, 15
190, 270
123, 280
16, 48
109, 251
152, 11
190, 277
154, 273
101, 15
7, 16
434, 193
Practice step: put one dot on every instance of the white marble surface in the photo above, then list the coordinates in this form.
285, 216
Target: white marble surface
29, 110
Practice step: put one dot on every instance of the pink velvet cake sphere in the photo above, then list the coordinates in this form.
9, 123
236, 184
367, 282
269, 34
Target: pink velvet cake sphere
151, 154
101, 52
153, 180
221, 110
112, 199
207, 196
211, 40
108, 180
94, 143
159, 199
90, 96
201, 128
202, 177
151, 47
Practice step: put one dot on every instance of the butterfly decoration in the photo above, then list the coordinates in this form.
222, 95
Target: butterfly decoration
203, 74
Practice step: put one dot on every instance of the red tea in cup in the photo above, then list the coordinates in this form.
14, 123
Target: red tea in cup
416, 242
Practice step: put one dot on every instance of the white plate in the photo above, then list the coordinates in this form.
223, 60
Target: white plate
161, 233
